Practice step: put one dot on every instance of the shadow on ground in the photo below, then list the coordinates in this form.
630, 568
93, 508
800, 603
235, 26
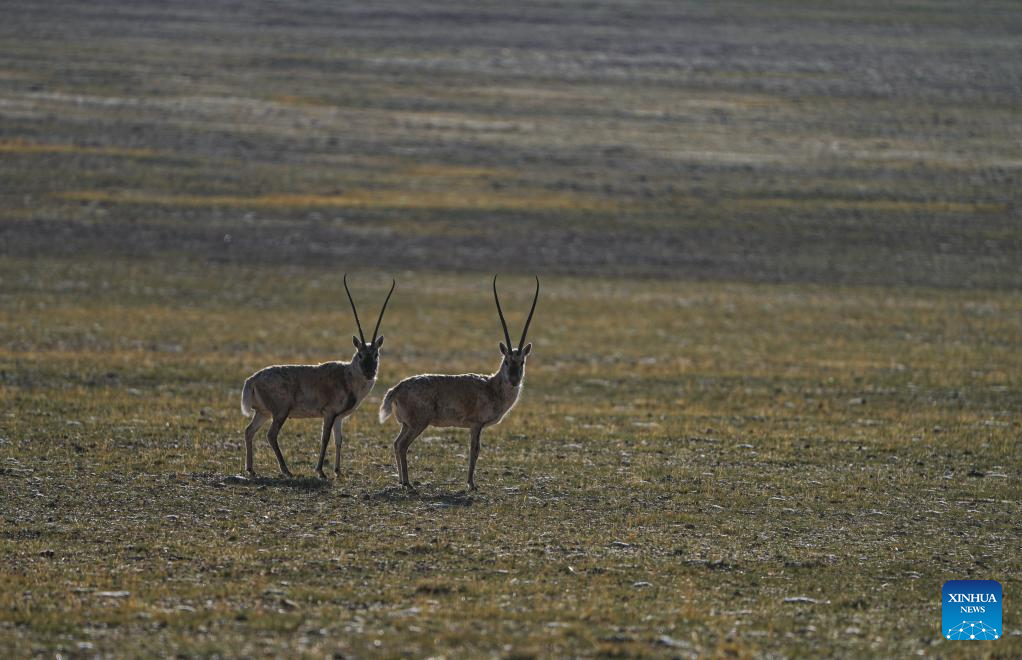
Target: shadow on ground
306, 484
421, 494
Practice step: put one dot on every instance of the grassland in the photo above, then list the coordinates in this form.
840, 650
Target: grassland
774, 401
772, 142
677, 476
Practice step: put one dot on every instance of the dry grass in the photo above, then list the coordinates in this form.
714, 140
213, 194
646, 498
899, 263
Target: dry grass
462, 200
22, 147
708, 440
811, 205
777, 348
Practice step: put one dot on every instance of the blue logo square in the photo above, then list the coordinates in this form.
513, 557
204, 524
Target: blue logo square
971, 610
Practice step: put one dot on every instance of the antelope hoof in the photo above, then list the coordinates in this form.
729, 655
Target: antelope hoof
251, 473
287, 474
321, 474
409, 487
337, 473
472, 486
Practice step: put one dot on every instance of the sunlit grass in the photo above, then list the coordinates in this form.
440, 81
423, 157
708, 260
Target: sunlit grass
684, 457
18, 146
689, 451
390, 199
440, 170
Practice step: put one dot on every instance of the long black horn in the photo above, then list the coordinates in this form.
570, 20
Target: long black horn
376, 330
357, 322
503, 323
529, 320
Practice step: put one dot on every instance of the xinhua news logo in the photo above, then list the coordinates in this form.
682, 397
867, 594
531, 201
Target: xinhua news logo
971, 610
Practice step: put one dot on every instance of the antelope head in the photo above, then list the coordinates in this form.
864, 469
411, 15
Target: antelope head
513, 366
367, 354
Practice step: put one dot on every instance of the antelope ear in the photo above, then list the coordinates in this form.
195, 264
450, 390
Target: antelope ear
379, 342
527, 349
503, 349
356, 342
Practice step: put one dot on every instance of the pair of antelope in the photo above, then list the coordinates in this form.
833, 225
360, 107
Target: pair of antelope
333, 390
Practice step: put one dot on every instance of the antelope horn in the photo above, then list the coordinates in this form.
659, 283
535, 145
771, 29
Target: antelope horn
357, 322
529, 320
503, 323
376, 330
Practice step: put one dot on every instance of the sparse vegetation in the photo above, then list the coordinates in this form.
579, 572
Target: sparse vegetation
740, 445
774, 397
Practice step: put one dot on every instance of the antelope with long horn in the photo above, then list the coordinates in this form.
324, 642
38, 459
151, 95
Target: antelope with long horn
331, 391
471, 401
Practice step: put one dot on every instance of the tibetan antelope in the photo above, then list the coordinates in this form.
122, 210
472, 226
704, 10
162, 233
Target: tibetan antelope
331, 391
469, 401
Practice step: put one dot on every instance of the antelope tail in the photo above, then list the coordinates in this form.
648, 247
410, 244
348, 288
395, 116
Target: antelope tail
246, 399
387, 405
